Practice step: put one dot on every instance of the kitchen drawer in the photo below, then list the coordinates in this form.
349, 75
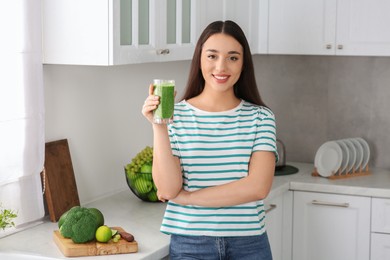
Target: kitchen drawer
380, 246
380, 215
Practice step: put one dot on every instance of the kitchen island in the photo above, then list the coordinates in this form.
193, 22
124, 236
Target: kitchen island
143, 219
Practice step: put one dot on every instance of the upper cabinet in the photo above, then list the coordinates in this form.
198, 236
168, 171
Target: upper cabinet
329, 27
363, 27
250, 15
110, 32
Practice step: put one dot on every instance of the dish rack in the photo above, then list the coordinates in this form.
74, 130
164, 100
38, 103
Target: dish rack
343, 174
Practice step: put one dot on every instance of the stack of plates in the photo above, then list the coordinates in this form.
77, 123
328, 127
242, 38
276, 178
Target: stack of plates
342, 156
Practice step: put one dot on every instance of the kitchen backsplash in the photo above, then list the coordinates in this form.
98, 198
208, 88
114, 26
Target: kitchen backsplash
315, 99
320, 98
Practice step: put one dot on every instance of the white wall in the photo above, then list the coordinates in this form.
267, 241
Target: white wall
98, 109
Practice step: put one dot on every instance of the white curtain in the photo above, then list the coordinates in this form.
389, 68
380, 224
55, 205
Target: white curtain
22, 116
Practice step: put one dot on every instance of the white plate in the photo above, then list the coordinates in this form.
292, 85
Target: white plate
345, 160
366, 151
328, 158
359, 153
352, 154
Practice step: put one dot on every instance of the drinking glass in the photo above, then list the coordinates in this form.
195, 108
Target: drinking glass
165, 89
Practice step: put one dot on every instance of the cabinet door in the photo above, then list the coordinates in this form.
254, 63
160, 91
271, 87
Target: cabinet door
134, 27
210, 11
363, 27
279, 225
111, 32
328, 226
178, 33
302, 26
380, 246
75, 32
252, 16
380, 215
274, 220
155, 30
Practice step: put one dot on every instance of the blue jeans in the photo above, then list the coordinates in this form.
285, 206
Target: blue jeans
219, 248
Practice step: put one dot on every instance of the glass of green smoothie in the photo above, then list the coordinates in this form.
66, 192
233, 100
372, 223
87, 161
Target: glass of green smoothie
165, 89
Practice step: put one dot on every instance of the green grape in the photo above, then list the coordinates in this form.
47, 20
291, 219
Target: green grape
143, 157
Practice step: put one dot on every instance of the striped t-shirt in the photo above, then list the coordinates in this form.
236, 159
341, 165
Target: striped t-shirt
215, 148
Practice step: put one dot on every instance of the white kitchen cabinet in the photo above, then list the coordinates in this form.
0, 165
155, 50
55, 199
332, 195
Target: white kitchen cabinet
279, 225
329, 27
380, 228
380, 215
250, 15
331, 226
210, 11
110, 32
380, 246
301, 26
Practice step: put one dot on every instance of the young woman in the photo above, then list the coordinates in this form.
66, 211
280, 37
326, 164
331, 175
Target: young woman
215, 163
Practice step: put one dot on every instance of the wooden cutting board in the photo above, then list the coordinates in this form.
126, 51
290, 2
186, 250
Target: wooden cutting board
59, 180
93, 248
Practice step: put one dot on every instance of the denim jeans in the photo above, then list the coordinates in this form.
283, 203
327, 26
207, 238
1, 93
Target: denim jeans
219, 248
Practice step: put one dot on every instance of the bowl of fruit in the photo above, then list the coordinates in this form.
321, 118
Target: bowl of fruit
139, 176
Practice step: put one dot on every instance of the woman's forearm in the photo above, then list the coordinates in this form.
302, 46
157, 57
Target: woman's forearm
234, 193
255, 186
166, 167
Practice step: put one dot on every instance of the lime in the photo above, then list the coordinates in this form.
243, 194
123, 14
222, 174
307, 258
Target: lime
103, 234
142, 185
116, 238
99, 216
114, 232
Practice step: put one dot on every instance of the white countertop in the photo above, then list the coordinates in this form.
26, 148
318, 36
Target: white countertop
377, 184
143, 219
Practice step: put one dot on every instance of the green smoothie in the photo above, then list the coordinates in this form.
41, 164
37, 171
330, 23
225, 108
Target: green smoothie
165, 89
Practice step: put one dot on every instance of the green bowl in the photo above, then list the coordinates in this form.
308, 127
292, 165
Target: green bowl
142, 185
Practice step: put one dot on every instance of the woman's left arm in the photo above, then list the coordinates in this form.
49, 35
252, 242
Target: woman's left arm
255, 186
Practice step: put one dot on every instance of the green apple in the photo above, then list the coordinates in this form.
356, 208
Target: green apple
146, 168
143, 186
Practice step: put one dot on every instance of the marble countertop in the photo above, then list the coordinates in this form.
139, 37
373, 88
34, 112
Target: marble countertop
143, 219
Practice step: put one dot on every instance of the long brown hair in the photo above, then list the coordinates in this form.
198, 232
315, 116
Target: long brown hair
246, 87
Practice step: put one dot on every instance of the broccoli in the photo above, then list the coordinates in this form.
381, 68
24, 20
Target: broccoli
80, 225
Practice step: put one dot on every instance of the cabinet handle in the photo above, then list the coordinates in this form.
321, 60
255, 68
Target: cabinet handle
333, 204
162, 51
340, 46
271, 207
329, 46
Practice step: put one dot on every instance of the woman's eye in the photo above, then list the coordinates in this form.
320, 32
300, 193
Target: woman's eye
233, 58
211, 56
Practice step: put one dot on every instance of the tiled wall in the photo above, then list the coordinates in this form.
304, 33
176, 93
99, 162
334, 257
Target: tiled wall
321, 98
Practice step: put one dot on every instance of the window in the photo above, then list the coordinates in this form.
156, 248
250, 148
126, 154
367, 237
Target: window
21, 111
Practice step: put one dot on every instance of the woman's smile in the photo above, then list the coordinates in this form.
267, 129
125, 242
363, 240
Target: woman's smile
221, 62
221, 78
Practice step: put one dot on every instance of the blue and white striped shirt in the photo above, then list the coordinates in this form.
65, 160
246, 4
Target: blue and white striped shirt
215, 148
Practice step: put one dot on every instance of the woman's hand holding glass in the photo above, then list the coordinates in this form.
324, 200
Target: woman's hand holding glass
150, 104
